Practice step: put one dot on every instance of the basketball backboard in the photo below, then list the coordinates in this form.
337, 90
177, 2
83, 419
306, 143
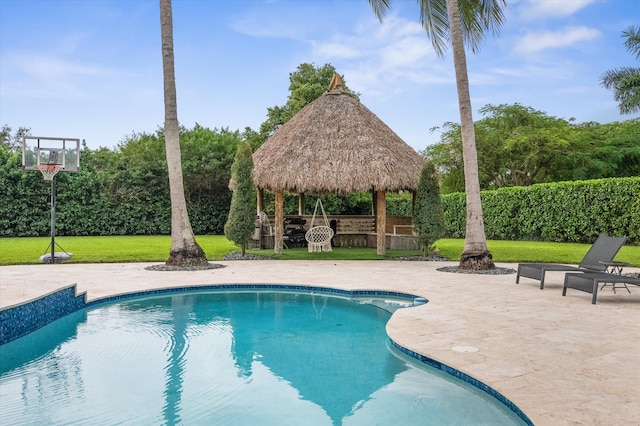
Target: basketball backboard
61, 152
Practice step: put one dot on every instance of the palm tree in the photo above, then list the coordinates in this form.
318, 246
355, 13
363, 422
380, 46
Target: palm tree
185, 251
625, 81
462, 22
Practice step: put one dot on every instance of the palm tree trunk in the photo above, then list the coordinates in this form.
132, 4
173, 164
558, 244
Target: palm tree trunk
185, 251
476, 255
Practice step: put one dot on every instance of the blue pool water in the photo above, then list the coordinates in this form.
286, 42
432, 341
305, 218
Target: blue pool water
234, 358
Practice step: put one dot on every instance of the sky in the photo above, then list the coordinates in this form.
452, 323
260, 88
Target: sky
92, 69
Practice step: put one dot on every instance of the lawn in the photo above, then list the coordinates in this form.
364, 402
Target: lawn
112, 249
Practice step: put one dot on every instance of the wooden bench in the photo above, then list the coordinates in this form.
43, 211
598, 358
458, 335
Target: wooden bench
356, 225
408, 229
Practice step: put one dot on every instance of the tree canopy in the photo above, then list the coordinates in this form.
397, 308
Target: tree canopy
428, 216
13, 140
520, 146
242, 215
307, 83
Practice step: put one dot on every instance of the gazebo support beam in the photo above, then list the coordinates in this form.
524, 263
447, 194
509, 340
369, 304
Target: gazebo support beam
381, 222
260, 200
373, 201
279, 237
301, 203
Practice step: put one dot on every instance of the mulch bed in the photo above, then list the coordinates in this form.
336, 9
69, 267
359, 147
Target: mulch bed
163, 267
238, 256
495, 271
456, 269
430, 258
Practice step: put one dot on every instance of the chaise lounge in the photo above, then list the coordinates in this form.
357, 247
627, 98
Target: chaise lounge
597, 259
590, 281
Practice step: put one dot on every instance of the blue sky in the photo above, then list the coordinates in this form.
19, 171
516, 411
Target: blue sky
92, 69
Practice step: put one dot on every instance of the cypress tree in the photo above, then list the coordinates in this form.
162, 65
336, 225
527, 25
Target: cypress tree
428, 216
242, 214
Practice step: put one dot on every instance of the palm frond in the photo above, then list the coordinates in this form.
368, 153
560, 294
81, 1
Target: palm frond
477, 17
380, 8
433, 17
632, 34
625, 83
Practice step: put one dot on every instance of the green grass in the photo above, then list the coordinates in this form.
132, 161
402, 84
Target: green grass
18, 251
106, 249
536, 251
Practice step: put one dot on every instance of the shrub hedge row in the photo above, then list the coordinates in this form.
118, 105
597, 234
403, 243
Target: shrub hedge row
90, 204
575, 211
85, 207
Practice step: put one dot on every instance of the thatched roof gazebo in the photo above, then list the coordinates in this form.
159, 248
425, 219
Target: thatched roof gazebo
336, 145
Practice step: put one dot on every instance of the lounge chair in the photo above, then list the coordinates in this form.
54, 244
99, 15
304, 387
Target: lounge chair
590, 281
602, 251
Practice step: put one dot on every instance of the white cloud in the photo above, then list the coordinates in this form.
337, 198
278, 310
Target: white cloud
394, 28
336, 49
534, 9
577, 89
44, 66
407, 51
273, 20
382, 58
273, 28
538, 41
45, 76
525, 71
395, 55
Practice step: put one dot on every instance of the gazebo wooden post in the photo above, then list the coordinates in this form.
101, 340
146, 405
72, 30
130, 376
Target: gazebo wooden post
279, 237
260, 200
373, 201
381, 222
301, 203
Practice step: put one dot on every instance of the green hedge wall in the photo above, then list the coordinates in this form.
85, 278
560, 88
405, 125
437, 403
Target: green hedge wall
576, 211
86, 207
125, 199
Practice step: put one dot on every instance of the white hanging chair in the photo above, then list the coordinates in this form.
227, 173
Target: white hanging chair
319, 237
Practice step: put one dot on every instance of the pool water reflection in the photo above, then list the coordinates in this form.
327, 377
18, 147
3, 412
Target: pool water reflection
237, 358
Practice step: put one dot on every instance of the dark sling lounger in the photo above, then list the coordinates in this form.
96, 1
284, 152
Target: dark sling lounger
602, 251
590, 281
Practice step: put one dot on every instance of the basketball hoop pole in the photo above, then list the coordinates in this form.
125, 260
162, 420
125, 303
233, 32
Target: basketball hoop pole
53, 220
53, 243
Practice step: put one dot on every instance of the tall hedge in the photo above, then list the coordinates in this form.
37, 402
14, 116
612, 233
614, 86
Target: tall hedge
123, 191
241, 221
575, 211
428, 218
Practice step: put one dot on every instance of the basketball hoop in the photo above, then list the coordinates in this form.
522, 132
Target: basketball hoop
48, 170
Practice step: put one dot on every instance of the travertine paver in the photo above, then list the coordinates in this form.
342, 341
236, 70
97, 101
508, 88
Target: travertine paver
562, 360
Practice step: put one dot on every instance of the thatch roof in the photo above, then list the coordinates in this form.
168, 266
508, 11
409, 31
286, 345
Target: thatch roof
336, 145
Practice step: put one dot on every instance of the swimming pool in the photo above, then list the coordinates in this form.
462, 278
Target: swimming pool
241, 357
